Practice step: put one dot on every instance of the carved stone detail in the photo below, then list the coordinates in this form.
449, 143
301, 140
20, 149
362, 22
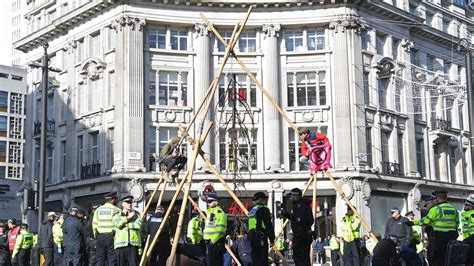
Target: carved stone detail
70, 46
271, 30
346, 24
92, 68
407, 45
385, 67
124, 21
202, 30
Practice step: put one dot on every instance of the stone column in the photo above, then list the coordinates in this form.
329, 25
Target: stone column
202, 80
129, 107
271, 77
341, 105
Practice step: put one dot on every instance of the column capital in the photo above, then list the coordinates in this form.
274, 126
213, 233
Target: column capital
70, 46
202, 30
271, 30
127, 21
346, 24
407, 45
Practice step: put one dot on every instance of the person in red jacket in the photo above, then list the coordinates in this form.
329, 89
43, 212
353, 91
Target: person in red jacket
14, 231
311, 138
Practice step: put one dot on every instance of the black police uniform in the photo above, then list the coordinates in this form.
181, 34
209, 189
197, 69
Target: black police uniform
301, 221
91, 242
162, 249
73, 230
259, 237
4, 259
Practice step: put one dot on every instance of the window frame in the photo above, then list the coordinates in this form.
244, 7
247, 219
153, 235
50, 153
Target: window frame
293, 87
181, 87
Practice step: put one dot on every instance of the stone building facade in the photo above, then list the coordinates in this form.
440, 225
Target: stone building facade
134, 70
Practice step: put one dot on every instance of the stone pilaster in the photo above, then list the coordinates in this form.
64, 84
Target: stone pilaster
129, 109
202, 80
271, 77
341, 106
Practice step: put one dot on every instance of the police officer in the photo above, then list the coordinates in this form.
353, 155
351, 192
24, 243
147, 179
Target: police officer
74, 242
195, 229
103, 229
468, 227
416, 243
58, 240
261, 229
350, 226
214, 232
161, 251
127, 240
91, 242
45, 235
445, 220
397, 227
334, 246
301, 219
23, 246
4, 259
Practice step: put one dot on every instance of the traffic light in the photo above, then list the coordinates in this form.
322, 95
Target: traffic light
280, 209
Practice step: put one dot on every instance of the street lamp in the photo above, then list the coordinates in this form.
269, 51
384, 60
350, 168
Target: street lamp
44, 120
464, 46
326, 218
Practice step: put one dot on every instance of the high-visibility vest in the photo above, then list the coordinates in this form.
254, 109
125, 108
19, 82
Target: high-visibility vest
468, 223
333, 243
24, 240
280, 243
58, 233
443, 218
12, 234
350, 228
103, 218
253, 217
127, 232
195, 232
216, 224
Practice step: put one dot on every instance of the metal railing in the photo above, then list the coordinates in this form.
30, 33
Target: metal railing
441, 124
390, 168
50, 128
90, 170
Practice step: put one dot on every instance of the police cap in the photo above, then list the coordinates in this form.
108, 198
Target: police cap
441, 192
394, 209
95, 206
111, 195
295, 192
24, 226
469, 203
259, 195
212, 198
410, 213
128, 198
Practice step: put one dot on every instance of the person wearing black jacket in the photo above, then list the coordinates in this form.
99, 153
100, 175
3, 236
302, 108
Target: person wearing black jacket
4, 259
301, 219
73, 230
385, 253
162, 249
397, 227
261, 229
45, 239
91, 242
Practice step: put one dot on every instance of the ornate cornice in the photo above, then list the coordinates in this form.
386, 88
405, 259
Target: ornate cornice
202, 30
70, 46
128, 21
271, 30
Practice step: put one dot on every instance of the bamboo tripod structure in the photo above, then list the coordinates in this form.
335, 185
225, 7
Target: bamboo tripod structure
196, 144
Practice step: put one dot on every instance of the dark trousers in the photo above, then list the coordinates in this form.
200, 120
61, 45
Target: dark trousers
259, 244
351, 255
470, 241
159, 257
178, 161
215, 253
334, 257
58, 257
24, 257
105, 250
439, 245
127, 256
74, 257
301, 249
91, 251
48, 254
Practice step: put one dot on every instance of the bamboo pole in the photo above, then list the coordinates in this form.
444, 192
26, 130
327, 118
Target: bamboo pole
182, 210
145, 248
151, 198
249, 73
162, 192
348, 202
147, 253
232, 255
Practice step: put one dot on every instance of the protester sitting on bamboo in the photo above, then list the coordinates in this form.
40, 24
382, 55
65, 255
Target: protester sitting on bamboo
170, 156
